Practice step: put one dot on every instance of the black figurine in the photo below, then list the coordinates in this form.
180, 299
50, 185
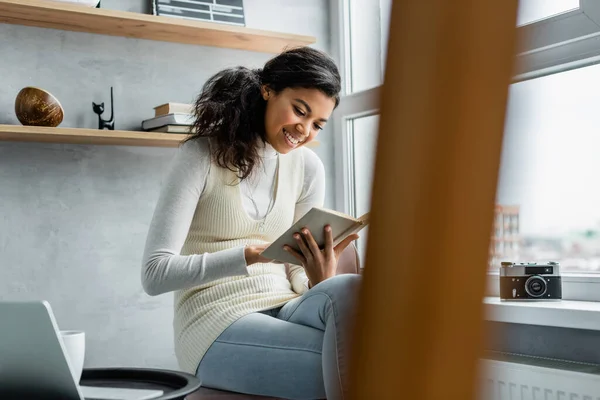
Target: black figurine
99, 109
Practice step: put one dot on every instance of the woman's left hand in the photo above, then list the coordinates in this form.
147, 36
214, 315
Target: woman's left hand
318, 264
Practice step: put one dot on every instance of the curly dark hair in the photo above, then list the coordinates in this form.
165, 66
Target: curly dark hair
230, 109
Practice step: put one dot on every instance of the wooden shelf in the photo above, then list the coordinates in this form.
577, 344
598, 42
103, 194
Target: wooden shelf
63, 16
18, 133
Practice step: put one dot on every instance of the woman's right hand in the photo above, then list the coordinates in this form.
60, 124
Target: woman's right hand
252, 254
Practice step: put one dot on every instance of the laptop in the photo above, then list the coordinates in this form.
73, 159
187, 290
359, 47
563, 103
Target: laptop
34, 363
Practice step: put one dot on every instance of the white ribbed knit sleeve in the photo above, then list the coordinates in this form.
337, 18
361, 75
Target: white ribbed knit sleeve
164, 269
313, 195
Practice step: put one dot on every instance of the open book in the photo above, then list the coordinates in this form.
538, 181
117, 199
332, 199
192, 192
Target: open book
342, 226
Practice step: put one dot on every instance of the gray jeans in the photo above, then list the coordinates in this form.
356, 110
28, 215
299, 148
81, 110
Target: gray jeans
298, 351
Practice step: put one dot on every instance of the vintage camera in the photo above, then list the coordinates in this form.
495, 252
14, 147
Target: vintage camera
530, 281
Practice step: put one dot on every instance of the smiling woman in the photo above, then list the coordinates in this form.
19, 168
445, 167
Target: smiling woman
242, 322
295, 116
240, 108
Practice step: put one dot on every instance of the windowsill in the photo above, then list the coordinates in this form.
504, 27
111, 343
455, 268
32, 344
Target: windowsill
563, 314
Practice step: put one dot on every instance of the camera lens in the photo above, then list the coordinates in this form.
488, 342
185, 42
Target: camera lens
535, 286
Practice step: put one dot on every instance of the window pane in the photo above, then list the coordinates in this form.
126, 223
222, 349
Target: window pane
550, 172
369, 22
364, 139
535, 10
385, 9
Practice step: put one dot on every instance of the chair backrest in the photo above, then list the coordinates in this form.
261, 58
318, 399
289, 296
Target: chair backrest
349, 262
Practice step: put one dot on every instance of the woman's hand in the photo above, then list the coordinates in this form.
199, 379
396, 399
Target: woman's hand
318, 264
252, 254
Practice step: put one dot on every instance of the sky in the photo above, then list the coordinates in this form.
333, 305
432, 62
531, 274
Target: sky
551, 154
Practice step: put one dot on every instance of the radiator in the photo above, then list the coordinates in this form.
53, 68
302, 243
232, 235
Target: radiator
515, 377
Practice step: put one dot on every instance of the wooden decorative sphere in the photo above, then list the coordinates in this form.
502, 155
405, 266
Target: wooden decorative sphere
37, 107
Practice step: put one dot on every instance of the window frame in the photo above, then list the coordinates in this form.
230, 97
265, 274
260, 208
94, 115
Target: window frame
560, 43
553, 45
354, 105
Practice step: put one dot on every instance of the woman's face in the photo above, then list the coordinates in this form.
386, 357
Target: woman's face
294, 117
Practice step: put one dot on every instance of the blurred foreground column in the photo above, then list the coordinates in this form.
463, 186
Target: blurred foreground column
443, 104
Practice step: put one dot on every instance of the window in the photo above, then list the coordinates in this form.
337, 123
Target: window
353, 133
367, 31
547, 197
556, 36
363, 138
549, 171
535, 10
363, 29
362, 42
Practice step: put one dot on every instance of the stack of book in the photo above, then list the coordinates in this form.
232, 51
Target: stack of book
223, 11
170, 118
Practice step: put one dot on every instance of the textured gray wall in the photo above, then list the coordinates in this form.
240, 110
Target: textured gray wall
73, 219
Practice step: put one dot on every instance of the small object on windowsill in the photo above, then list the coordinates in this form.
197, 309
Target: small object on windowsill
99, 109
530, 281
37, 107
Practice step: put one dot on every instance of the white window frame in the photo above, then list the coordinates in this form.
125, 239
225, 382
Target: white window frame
560, 43
354, 105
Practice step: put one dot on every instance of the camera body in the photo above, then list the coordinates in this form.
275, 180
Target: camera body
530, 281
